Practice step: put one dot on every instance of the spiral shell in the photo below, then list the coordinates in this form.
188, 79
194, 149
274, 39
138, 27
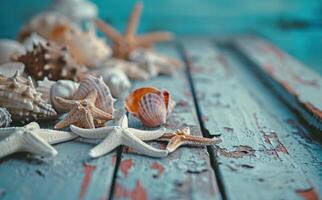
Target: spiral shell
10, 49
9, 69
5, 118
44, 88
151, 105
32, 40
104, 100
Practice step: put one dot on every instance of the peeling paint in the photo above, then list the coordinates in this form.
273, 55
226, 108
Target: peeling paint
137, 193
125, 166
157, 166
87, 170
239, 152
309, 194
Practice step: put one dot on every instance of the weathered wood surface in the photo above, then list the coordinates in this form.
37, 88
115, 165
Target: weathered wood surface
72, 174
266, 153
186, 173
296, 83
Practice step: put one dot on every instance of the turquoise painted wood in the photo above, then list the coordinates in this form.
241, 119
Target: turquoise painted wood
266, 153
185, 174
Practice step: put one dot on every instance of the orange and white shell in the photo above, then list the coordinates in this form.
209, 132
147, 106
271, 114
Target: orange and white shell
20, 97
9, 69
10, 49
104, 100
150, 105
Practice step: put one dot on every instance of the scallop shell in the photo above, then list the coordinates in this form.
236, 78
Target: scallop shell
152, 110
50, 61
5, 118
134, 104
20, 97
10, 49
9, 69
116, 80
33, 39
104, 100
64, 89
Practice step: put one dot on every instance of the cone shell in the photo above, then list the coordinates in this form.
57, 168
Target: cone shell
104, 99
151, 105
9, 69
50, 61
20, 97
10, 49
5, 118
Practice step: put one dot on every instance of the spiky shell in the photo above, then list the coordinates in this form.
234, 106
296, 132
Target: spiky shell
152, 110
20, 97
33, 39
9, 69
104, 99
50, 61
10, 49
5, 118
64, 89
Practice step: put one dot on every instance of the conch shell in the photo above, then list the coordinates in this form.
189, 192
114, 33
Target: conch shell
10, 49
5, 118
104, 99
151, 105
51, 61
33, 39
9, 69
20, 97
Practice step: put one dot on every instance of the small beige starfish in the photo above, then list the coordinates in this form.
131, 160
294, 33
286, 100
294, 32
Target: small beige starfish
83, 113
183, 137
124, 44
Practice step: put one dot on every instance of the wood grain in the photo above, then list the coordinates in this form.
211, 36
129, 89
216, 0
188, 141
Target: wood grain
296, 83
266, 153
186, 173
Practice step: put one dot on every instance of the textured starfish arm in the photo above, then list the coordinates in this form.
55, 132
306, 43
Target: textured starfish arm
5, 132
108, 30
150, 38
87, 120
107, 145
201, 141
32, 125
98, 133
174, 143
147, 135
9, 145
123, 122
54, 137
133, 20
100, 114
128, 139
91, 97
72, 117
68, 104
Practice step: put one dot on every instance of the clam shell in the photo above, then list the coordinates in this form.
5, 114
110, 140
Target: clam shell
104, 100
9, 69
33, 39
152, 110
20, 97
5, 118
10, 49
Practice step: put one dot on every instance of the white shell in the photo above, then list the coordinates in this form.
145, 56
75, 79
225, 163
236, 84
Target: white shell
33, 39
152, 110
10, 49
44, 88
5, 118
64, 89
116, 80
9, 69
104, 100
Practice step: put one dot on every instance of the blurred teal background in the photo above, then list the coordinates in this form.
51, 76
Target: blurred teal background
294, 25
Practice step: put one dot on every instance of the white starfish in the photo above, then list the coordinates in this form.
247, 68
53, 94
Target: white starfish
122, 135
31, 138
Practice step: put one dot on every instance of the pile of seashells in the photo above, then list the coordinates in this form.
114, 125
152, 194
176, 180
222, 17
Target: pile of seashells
60, 67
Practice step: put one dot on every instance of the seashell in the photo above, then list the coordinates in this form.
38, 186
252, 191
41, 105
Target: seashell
116, 80
9, 69
136, 104
152, 110
33, 39
75, 10
20, 97
10, 49
104, 100
64, 89
50, 61
5, 118
44, 88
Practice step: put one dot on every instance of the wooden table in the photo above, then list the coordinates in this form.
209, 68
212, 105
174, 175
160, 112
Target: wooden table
264, 105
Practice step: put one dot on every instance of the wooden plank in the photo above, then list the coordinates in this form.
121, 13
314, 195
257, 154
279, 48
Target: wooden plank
265, 153
296, 83
72, 174
185, 174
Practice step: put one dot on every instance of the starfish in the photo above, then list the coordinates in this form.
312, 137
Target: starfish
124, 44
83, 113
31, 138
121, 134
183, 137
